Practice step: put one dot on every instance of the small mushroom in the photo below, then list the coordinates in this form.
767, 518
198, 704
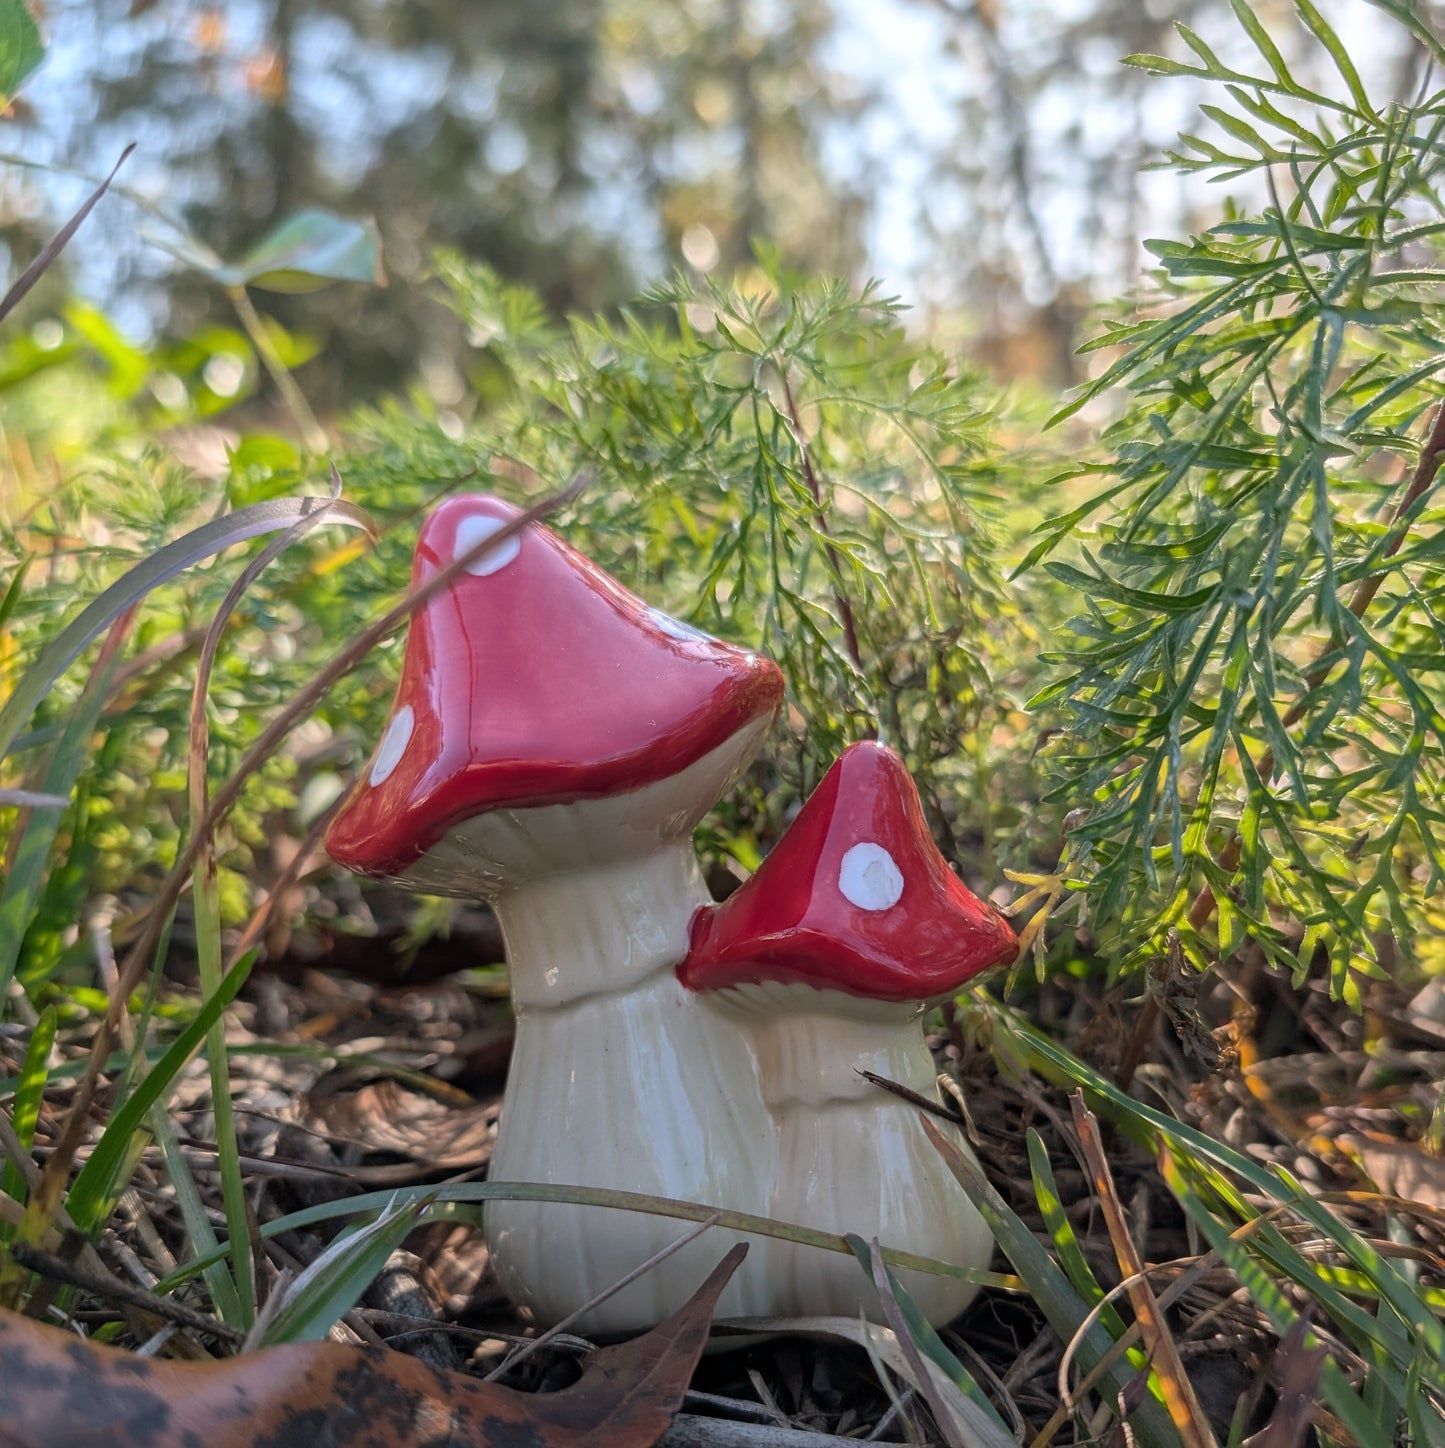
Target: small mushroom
828, 955
553, 744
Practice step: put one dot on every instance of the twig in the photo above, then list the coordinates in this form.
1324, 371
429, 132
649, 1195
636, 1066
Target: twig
112, 1289
914, 1098
58, 242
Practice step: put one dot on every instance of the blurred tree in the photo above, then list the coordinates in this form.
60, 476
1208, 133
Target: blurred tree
1038, 206
570, 143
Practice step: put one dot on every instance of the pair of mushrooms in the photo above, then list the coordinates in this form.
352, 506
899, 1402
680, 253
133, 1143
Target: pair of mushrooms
553, 745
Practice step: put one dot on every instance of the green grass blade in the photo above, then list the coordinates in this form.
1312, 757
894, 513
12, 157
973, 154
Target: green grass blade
26, 879
1061, 1230
199, 1231
993, 1430
29, 1092
163, 565
332, 1285
91, 1192
1052, 1291
476, 1193
1267, 1295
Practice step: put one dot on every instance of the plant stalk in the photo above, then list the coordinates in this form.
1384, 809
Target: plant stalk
312, 433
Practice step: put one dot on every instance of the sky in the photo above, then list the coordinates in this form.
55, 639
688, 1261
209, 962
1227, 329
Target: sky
916, 63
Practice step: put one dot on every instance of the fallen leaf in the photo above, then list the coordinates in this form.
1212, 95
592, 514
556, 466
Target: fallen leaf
60, 1391
387, 1116
1397, 1168
1298, 1366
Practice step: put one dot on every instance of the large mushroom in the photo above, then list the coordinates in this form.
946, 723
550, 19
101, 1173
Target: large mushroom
827, 956
553, 743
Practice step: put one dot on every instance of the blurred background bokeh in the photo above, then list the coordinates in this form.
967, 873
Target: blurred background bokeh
983, 157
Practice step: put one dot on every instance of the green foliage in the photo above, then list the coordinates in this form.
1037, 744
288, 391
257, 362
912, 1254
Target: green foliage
20, 48
1252, 673
782, 466
1250, 677
304, 253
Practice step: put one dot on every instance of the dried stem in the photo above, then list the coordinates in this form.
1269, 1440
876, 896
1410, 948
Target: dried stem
112, 1289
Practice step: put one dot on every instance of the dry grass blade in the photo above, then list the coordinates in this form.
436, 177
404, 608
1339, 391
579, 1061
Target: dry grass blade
57, 243
31, 799
942, 1410
1179, 1396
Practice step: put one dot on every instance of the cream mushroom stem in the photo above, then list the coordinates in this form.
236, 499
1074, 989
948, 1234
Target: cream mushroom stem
852, 1156
827, 956
618, 1079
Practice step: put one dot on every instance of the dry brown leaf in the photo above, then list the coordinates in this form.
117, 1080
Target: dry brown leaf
59, 1391
458, 1257
386, 1116
1299, 1389
1398, 1168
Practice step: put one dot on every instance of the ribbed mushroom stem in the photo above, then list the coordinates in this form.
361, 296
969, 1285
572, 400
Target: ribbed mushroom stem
619, 1078
851, 1156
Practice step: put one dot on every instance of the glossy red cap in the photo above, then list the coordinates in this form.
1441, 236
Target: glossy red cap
854, 898
535, 678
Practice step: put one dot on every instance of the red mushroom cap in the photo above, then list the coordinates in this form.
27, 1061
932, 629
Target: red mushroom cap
854, 898
535, 678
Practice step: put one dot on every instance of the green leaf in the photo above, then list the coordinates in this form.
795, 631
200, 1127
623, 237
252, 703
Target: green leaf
90, 1194
1091, 586
1244, 13
129, 365
332, 1284
1341, 57
308, 251
1162, 65
21, 50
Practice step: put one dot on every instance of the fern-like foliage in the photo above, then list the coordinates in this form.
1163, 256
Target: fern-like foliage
1253, 674
779, 464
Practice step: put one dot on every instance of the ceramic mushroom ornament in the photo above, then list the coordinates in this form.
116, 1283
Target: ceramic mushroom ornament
828, 955
553, 744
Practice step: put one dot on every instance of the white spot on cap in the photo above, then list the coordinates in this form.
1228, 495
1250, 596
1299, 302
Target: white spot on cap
475, 527
393, 744
869, 879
